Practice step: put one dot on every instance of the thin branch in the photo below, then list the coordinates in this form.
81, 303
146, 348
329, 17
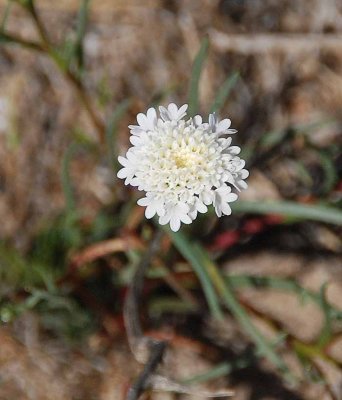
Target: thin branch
85, 99
39, 25
156, 354
73, 79
10, 38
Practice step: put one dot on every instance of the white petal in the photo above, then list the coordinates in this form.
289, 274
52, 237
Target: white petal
173, 110
225, 208
151, 114
135, 140
164, 113
164, 219
193, 213
244, 174
234, 150
150, 212
160, 209
185, 219
181, 208
229, 178
240, 165
231, 197
122, 173
197, 120
123, 161
207, 197
135, 182
201, 207
218, 210
242, 184
135, 129
223, 191
183, 109
223, 125
212, 122
143, 202
131, 156
175, 224
142, 120
151, 118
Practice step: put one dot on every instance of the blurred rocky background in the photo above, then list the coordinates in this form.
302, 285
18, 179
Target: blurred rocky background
286, 105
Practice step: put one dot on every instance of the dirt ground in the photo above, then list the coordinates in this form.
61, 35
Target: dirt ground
289, 56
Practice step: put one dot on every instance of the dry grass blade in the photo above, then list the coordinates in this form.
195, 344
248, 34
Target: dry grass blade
104, 248
263, 43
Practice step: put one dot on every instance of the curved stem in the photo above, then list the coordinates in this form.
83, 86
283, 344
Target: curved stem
145, 349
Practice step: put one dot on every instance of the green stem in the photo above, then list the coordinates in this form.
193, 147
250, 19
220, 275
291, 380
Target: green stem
191, 253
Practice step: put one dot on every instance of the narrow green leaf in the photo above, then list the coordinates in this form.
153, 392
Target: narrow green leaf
111, 130
211, 277
193, 256
326, 331
67, 50
303, 173
224, 92
65, 177
12, 269
195, 77
291, 209
225, 368
5, 16
80, 32
330, 175
173, 305
222, 369
71, 51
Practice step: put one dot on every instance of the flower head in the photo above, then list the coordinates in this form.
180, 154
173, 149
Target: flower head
182, 165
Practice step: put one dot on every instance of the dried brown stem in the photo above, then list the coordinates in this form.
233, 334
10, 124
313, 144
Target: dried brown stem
156, 354
133, 299
145, 349
6, 38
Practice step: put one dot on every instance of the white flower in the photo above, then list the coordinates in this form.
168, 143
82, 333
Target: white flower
182, 165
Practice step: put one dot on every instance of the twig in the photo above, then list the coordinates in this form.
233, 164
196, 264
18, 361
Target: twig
133, 298
39, 25
83, 96
6, 38
157, 350
47, 47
